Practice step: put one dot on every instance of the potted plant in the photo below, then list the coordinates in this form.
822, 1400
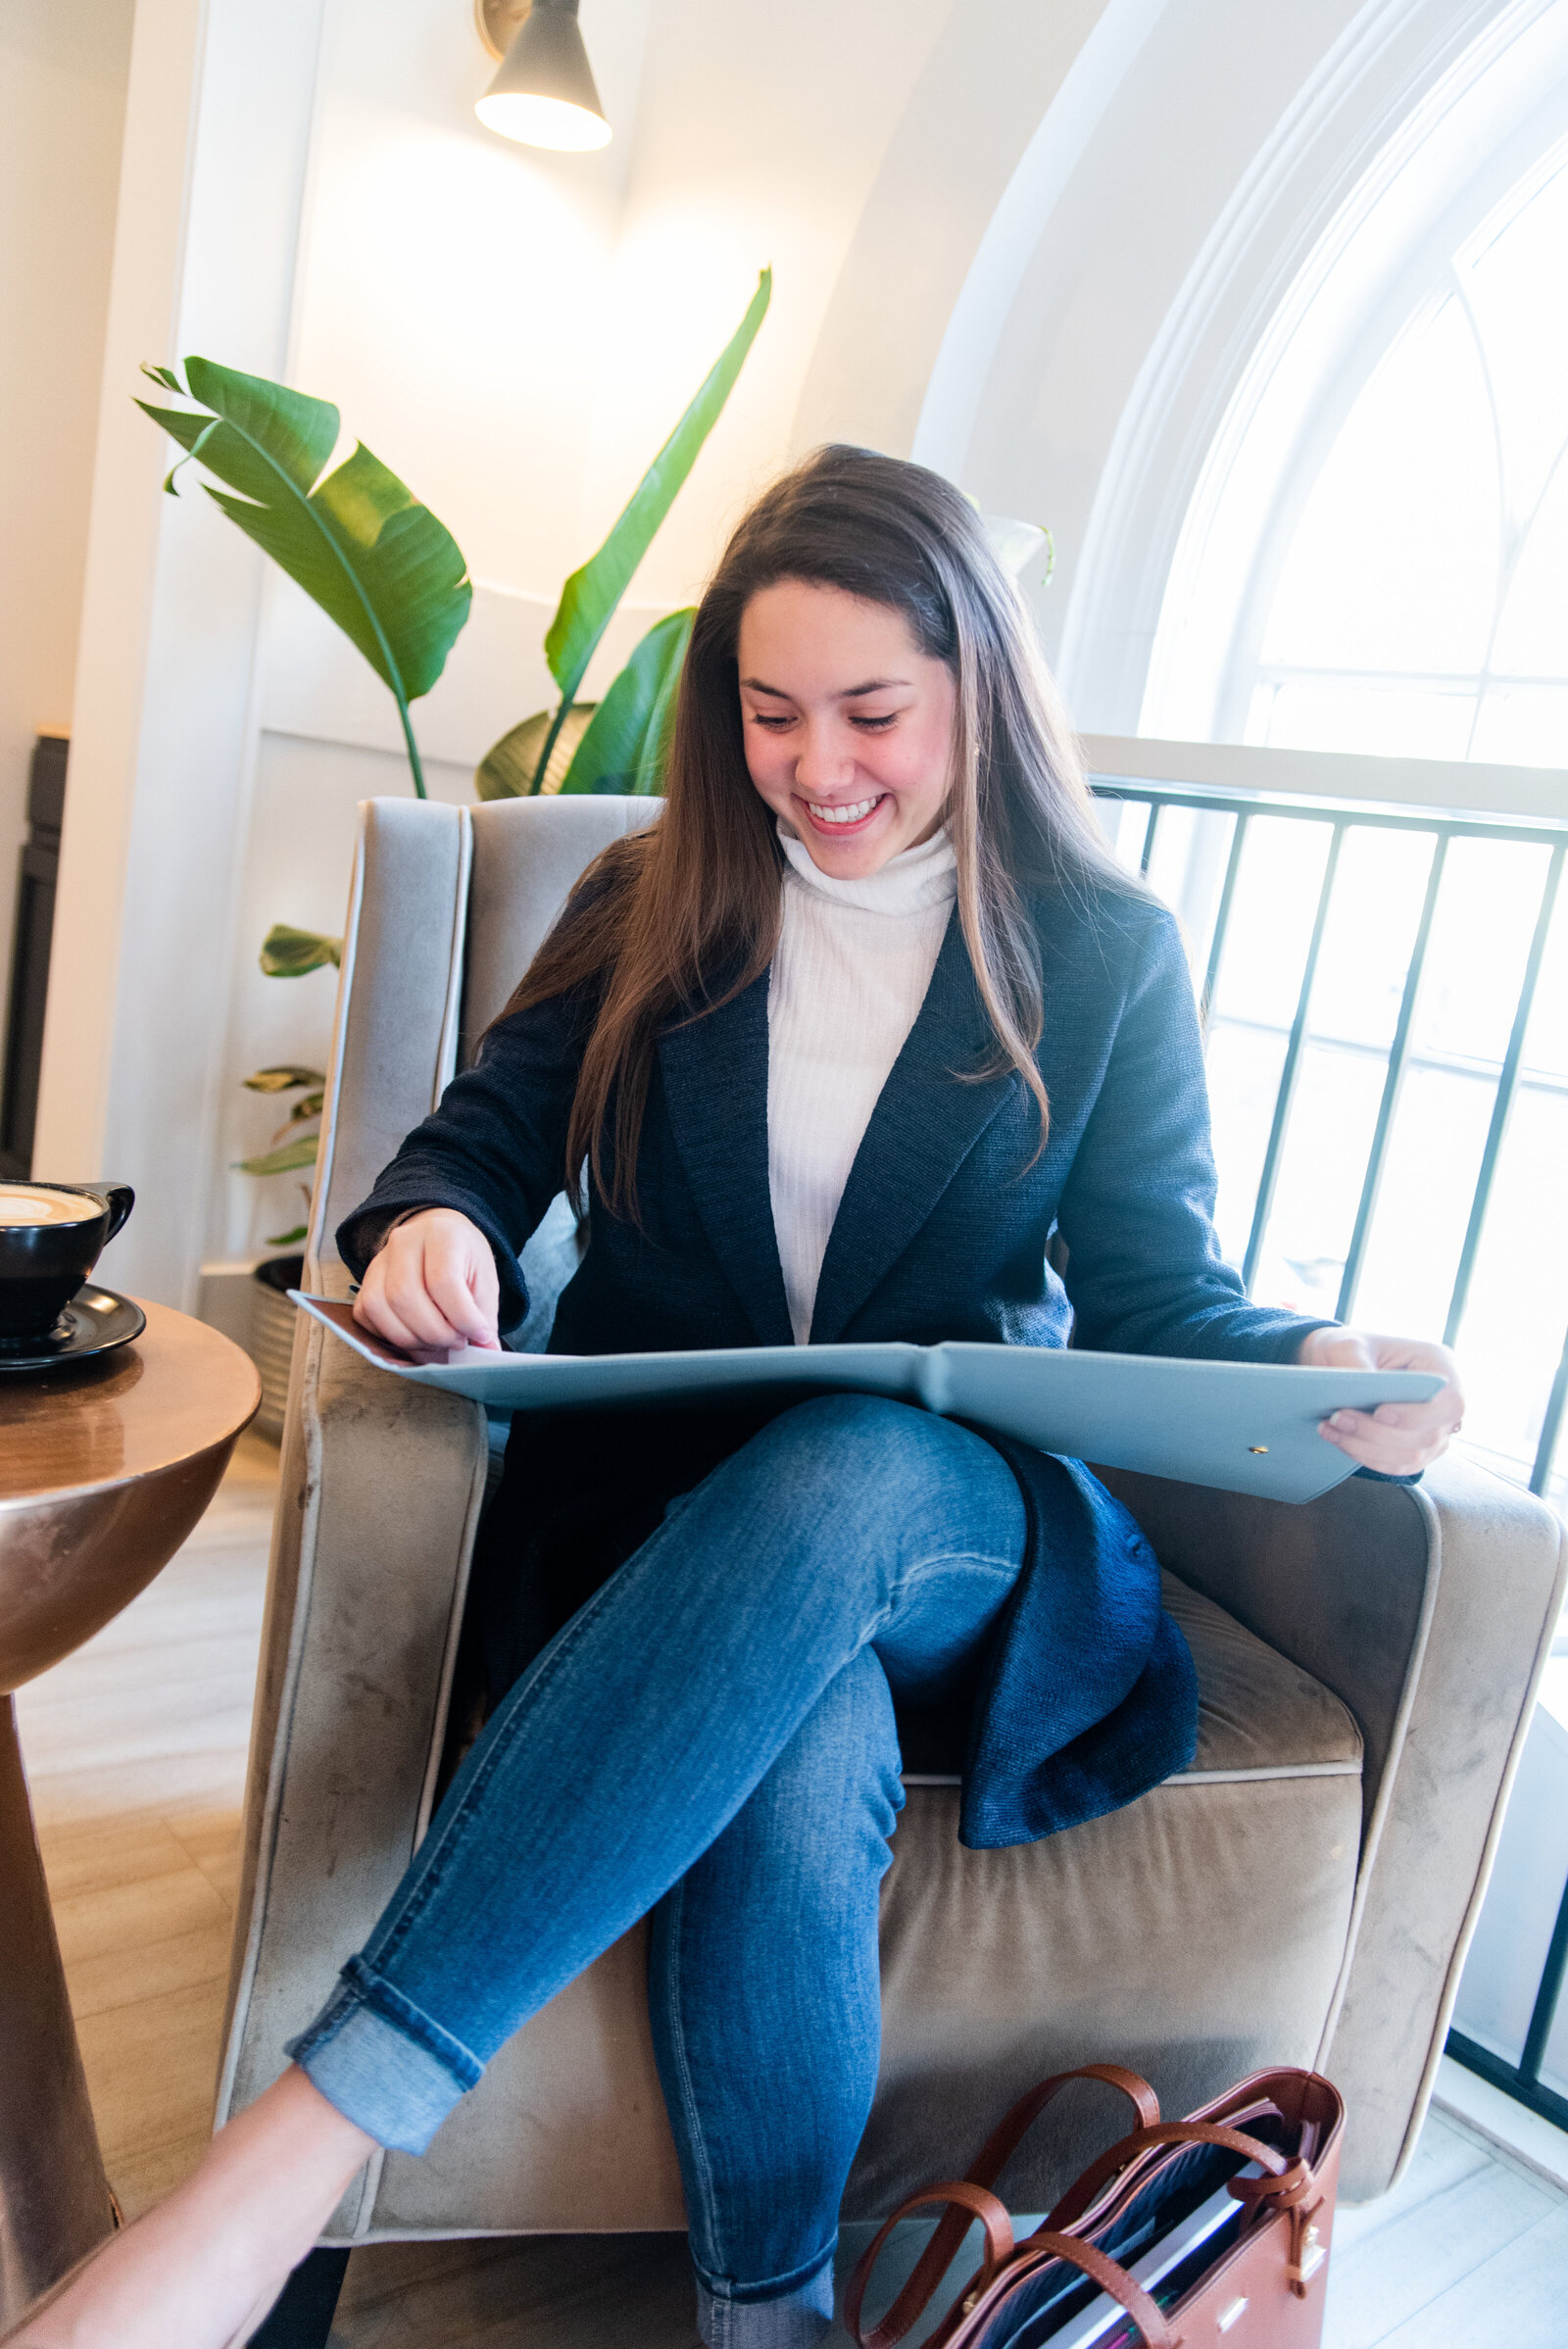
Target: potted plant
393, 578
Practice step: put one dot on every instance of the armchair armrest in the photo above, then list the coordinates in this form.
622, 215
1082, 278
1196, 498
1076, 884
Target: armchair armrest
364, 1601
1339, 1584
1430, 1611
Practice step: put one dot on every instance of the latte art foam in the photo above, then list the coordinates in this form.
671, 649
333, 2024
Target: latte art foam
21, 1203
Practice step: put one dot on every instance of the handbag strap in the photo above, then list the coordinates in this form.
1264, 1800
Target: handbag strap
1010, 2129
958, 2193
1292, 2186
942, 2248
1114, 2280
1080, 2195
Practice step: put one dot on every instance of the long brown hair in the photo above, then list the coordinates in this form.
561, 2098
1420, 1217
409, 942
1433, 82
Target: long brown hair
679, 918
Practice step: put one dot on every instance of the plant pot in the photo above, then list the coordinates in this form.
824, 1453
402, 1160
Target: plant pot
272, 1319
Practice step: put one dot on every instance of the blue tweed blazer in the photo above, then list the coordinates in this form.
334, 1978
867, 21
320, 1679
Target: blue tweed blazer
1088, 1696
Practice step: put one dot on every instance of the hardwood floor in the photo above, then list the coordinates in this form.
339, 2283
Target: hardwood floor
1468, 2249
136, 1750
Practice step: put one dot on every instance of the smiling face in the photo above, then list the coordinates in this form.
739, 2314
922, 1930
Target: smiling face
848, 723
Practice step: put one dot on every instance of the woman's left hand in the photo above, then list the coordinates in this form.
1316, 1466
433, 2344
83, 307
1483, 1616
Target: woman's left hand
1397, 1439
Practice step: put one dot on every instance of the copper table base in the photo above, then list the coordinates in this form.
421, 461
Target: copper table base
54, 2196
103, 1471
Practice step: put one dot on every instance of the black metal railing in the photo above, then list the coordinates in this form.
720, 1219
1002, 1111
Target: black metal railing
1522, 2079
1341, 818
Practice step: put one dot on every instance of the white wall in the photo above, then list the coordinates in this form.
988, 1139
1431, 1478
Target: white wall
217, 131
759, 138
62, 106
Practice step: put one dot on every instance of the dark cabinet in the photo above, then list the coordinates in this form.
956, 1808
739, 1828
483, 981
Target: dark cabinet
29, 955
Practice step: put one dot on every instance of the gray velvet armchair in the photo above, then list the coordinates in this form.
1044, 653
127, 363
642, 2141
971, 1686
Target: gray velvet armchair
1303, 1895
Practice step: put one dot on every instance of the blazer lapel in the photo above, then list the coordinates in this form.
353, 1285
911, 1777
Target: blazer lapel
925, 1124
715, 1072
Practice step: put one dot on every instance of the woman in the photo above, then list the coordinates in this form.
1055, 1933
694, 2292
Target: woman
832, 1050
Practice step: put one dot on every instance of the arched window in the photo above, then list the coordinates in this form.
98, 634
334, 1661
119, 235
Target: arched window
1421, 606
1376, 561
1375, 554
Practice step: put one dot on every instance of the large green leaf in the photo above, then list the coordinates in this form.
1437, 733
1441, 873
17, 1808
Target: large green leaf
282, 1078
286, 1161
589, 596
625, 747
509, 766
288, 953
378, 564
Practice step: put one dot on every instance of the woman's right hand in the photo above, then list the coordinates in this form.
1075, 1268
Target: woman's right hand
431, 1286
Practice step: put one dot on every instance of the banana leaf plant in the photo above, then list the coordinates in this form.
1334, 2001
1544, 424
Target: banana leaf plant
619, 745
394, 580
292, 1150
375, 561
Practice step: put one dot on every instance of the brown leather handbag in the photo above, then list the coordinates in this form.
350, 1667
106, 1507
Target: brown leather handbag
1252, 2275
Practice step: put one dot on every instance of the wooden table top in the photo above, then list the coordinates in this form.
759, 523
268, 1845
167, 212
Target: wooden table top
177, 1390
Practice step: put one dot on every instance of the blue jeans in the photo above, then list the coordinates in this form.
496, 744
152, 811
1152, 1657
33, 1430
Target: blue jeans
709, 1739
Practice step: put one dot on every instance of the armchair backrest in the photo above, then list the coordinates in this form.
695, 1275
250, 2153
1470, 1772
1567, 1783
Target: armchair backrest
447, 908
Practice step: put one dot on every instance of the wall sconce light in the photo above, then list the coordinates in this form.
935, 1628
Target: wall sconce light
544, 93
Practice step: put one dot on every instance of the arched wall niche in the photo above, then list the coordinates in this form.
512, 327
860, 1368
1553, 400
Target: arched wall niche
1081, 234
988, 88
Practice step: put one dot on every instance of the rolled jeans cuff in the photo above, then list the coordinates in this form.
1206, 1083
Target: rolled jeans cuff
797, 2317
382, 2063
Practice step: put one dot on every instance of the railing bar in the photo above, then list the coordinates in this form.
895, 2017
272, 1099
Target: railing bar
1222, 919
1291, 1070
1508, 2077
1550, 1426
1502, 1103
1449, 1064
1328, 811
1543, 2013
1150, 831
1393, 1082
1125, 799
1177, 795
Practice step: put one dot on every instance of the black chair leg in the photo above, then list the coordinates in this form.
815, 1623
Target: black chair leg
303, 2318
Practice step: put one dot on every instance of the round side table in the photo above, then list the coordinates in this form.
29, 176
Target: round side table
104, 1470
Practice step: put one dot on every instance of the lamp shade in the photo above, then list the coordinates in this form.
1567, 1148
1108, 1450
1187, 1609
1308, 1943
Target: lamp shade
544, 92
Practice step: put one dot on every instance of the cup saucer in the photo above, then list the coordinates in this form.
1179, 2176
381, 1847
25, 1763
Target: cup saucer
94, 1321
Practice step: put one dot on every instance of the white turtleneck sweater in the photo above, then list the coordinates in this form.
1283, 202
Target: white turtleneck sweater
854, 959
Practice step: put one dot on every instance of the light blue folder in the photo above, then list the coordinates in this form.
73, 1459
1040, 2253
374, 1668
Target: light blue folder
1245, 1426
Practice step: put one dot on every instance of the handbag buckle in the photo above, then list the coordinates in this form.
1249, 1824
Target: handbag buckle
1308, 2250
